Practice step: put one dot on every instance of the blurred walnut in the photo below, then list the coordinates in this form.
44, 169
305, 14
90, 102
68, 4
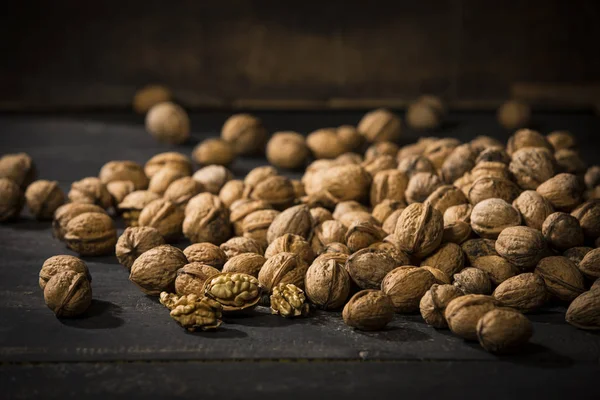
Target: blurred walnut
320, 215
325, 143
473, 281
162, 179
534, 208
415, 148
213, 151
368, 267
503, 330
299, 191
446, 196
399, 256
349, 158
385, 208
134, 241
419, 230
283, 268
205, 253
245, 263
460, 212
91, 234
438, 150
420, 186
168, 122
590, 264
380, 125
562, 231
329, 231
90, 191
239, 245
165, 216
379, 163
388, 185
57, 264
207, 225
524, 292
491, 216
425, 113
561, 140
155, 270
570, 161
588, 215
245, 133
434, 302
278, 191
66, 213
413, 164
456, 232
368, 310
439, 276
336, 248
11, 200
171, 159
487, 188
357, 216
339, 183
592, 177
350, 137
562, 278
380, 149
497, 268
527, 138
191, 278
213, 177
482, 142
124, 171
475, 248
346, 207
181, 191
259, 174
362, 234
68, 294
463, 313
133, 204
43, 198
459, 161
203, 201
150, 95
231, 192
521, 246
19, 168
241, 208
563, 191
290, 243
119, 190
287, 150
296, 220
256, 224
584, 311
493, 154
514, 114
406, 286
449, 258
389, 225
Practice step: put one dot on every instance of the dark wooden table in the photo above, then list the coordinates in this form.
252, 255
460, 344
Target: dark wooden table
126, 346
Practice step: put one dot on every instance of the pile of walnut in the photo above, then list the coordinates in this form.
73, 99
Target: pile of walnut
473, 235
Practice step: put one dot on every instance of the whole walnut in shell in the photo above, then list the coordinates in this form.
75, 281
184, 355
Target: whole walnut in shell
406, 286
203, 201
420, 186
434, 302
325, 143
245, 133
207, 225
503, 330
592, 177
380, 149
90, 191
171, 159
441, 278
368, 267
456, 232
19, 168
475, 248
524, 292
489, 187
91, 234
438, 150
378, 164
533, 208
290, 243
388, 185
380, 125
155, 270
119, 190
459, 161
336, 248
461, 212
191, 278
277, 191
320, 215
246, 263
134, 241
150, 95
363, 234
213, 151
205, 253
584, 311
419, 230
449, 258
389, 247
168, 122
532, 166
161, 180
563, 191
569, 161
527, 138
590, 264
588, 215
562, 278
133, 204
446, 196
213, 177
124, 171
562, 231
521, 246
256, 225
287, 150
561, 140
493, 154
66, 213
43, 198
340, 183
11, 200
327, 284
368, 310
413, 164
57, 264
492, 216
576, 254
231, 192
514, 114
296, 220
346, 207
384, 209
283, 268
182, 190
242, 208
497, 268
473, 281
421, 115
350, 137
327, 232
239, 245
463, 314
68, 294
164, 216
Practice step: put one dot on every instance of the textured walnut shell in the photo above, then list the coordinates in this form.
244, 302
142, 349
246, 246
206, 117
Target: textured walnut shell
493, 154
66, 213
162, 179
434, 302
277, 191
19, 168
327, 282
191, 278
239, 245
290, 243
246, 263
203, 201
235, 291
368, 267
346, 207
406, 286
531, 166
325, 143
413, 164
155, 270
43, 198
90, 191
283, 268
182, 190
420, 186
415, 148
207, 225
446, 196
150, 95
561, 140
11, 200
562, 278
256, 225
241, 208
133, 204
287, 150
563, 191
363, 234
380, 125
419, 230
165, 216
336, 248
91, 234
576, 254
328, 232
584, 311
355, 217
475, 248
169, 159
461, 212
524, 292
205, 253
124, 171
590, 264
388, 185
459, 161
492, 216
497, 268
245, 133
380, 149
527, 138
213, 151
119, 190
349, 137
588, 215
440, 277
320, 215
569, 161
399, 256
456, 232
503, 330
473, 281
514, 114
463, 313
231, 192
368, 310
449, 258
384, 209
68, 294
438, 150
483, 142
134, 241
592, 177
168, 122
488, 187
562, 231
295, 220
379, 164
57, 264
389, 225
534, 208
341, 183
213, 177
521, 246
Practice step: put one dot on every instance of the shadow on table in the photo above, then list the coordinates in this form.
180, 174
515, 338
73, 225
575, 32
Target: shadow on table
101, 315
29, 224
221, 333
536, 355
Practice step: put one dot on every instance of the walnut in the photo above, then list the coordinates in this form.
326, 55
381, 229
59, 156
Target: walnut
155, 270
340, 183
68, 294
415, 148
283, 268
492, 216
446, 196
439, 276
378, 164
207, 225
287, 150
424, 114
124, 171
213, 177
150, 95
296, 220
534, 208
57, 264
388, 185
191, 278
590, 264
90, 191
569, 161
259, 174
169, 159
562, 278
289, 301
380, 125
362, 234
488, 187
461, 212
239, 245
406, 286
291, 243
325, 143
413, 164
242, 208
463, 313
456, 232
584, 311
91, 234
327, 282
66, 213
203, 201
182, 190
592, 177
420, 186
493, 154
497, 268
168, 122
320, 215
368, 267
350, 137
419, 230
524, 292
165, 216
133, 204
503, 330
588, 215
434, 302
475, 248
161, 180
328, 232
527, 138
299, 191
576, 254
399, 257
11, 200
459, 161
19, 168
195, 313
231, 192
532, 166
119, 190
438, 150
346, 207
380, 149
449, 258
336, 248
562, 231
563, 191
256, 224
490, 169
368, 310
245, 133
521, 246
246, 263
213, 151
134, 241
43, 198
277, 191
473, 281
561, 140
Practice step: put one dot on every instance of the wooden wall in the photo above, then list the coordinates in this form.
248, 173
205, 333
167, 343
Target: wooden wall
264, 54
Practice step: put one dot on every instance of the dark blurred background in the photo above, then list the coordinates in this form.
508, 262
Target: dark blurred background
300, 54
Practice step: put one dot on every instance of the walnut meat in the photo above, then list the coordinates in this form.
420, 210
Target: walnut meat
521, 246
531, 166
156, 269
368, 267
380, 125
164, 216
327, 283
19, 168
563, 191
283, 268
124, 171
246, 263
419, 230
287, 150
245, 133
213, 151
213, 177
588, 215
296, 220
192, 312
133, 204
239, 245
289, 301
562, 278
492, 216
534, 208
434, 302
290, 243
11, 200
463, 314
503, 330
524, 292
497, 268
168, 122
368, 310
171, 159
43, 198
68, 294
473, 281
406, 286
91, 234
562, 231
57, 264
191, 278
205, 253
235, 291
90, 191
584, 311
134, 241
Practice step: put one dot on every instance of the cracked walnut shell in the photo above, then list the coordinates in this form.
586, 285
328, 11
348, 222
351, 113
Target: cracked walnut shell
283, 268
91, 234
134, 241
235, 291
68, 294
289, 301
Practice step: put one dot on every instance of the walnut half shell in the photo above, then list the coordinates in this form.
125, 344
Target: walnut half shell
233, 290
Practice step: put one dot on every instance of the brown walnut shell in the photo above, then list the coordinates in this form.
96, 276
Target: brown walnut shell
133, 204
497, 268
380, 125
562, 278
57, 264
327, 282
368, 267
368, 310
168, 122
388, 185
521, 246
124, 171
43, 198
90, 191
563, 191
492, 216
534, 208
246, 263
290, 243
473, 281
449, 258
283, 268
239, 245
134, 241
155, 270
205, 253
171, 159
66, 213
420, 186
419, 230
207, 225
584, 311
182, 190
19, 168
406, 286
164, 216
11, 200
68, 294
191, 278
434, 302
590, 264
502, 330
245, 133
213, 177
562, 231
328, 232
475, 248
588, 215
463, 313
91, 234
524, 292
532, 166
256, 225
295, 220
